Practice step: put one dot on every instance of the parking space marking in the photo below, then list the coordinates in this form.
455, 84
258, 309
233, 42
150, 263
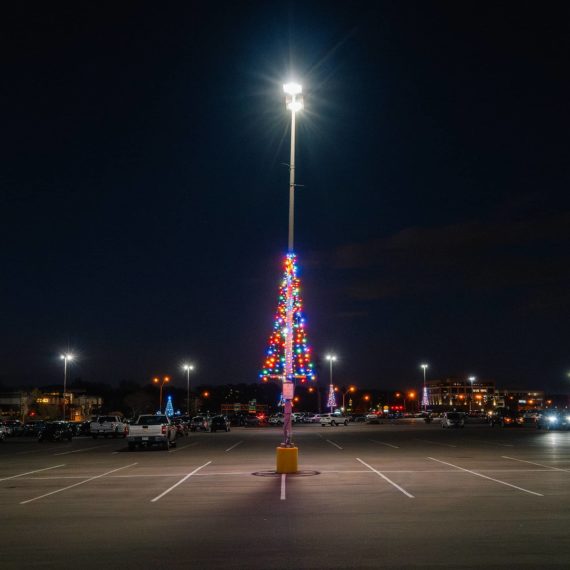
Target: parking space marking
333, 443
76, 484
436, 443
384, 443
487, 477
179, 482
386, 479
283, 480
78, 450
234, 446
30, 472
538, 464
182, 447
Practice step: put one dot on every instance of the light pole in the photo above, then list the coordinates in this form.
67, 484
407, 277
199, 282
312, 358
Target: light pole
349, 390
294, 103
187, 368
160, 383
66, 357
331, 358
424, 395
471, 379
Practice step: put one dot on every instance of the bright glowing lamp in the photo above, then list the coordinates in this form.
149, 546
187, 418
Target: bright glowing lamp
292, 88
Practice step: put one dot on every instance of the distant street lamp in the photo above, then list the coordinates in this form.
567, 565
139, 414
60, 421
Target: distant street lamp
66, 357
471, 379
187, 368
161, 382
349, 390
424, 395
411, 396
331, 358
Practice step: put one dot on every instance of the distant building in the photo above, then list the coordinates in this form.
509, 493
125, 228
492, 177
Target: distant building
49, 405
521, 399
460, 393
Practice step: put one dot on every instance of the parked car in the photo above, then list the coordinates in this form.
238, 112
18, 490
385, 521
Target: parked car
252, 420
505, 417
14, 427
56, 431
373, 418
453, 419
335, 419
108, 426
276, 420
2, 432
151, 429
33, 428
200, 423
553, 419
220, 423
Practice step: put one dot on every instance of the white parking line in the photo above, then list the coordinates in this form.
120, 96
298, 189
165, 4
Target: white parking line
182, 447
179, 482
283, 479
386, 478
79, 450
538, 464
436, 443
333, 443
75, 484
486, 477
30, 472
234, 446
384, 443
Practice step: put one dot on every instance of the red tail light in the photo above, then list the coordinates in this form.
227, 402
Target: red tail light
163, 429
126, 430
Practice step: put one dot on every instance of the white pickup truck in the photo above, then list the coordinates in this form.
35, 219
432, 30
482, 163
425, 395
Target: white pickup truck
151, 429
108, 426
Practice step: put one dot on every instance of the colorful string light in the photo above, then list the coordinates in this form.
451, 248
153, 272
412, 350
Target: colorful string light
274, 366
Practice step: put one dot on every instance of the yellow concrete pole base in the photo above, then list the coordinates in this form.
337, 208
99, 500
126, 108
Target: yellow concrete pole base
287, 459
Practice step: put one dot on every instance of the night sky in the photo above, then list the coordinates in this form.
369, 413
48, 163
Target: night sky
144, 194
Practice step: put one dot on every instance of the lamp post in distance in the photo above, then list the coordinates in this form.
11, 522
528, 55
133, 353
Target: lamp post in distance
349, 390
160, 382
66, 357
471, 379
424, 395
187, 368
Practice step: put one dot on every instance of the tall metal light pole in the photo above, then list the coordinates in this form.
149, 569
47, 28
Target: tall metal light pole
424, 395
66, 357
294, 103
161, 383
187, 368
331, 358
349, 390
471, 379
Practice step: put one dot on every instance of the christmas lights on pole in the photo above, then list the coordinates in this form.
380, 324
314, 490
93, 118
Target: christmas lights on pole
288, 356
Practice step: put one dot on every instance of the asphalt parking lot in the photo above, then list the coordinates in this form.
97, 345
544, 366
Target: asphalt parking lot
367, 496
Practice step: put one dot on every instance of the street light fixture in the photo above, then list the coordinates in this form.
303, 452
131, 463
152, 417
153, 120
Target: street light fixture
187, 368
161, 382
424, 396
66, 357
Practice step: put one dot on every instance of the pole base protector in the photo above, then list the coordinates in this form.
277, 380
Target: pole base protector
287, 459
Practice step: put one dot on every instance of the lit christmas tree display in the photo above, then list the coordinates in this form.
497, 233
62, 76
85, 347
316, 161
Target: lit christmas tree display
331, 403
275, 365
169, 407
